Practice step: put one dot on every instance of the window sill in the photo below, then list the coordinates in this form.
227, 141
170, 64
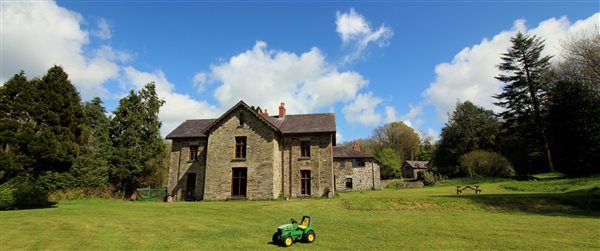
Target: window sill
238, 160
304, 158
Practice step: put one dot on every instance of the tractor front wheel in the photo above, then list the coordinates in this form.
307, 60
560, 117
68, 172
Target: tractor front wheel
275, 238
310, 236
287, 241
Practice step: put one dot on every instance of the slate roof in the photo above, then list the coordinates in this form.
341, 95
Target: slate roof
191, 128
340, 152
304, 123
290, 124
418, 164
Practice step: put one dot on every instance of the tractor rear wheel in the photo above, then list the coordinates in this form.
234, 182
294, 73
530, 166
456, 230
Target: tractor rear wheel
310, 236
287, 241
275, 238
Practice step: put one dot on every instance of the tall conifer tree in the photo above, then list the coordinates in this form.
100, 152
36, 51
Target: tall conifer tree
525, 72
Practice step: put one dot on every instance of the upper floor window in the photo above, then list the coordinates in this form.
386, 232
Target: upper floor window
240, 147
342, 163
305, 149
358, 163
241, 117
193, 152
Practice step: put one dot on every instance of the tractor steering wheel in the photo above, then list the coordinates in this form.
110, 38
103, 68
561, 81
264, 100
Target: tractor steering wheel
293, 221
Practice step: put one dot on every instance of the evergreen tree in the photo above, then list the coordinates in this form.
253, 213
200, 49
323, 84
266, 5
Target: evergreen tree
574, 117
135, 133
91, 167
522, 98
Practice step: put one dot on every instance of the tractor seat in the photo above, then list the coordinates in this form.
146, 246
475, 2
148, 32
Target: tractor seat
305, 222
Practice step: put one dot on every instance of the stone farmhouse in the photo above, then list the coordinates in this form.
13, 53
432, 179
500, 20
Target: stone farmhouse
248, 154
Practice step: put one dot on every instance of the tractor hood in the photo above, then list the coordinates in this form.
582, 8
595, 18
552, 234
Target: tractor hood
285, 226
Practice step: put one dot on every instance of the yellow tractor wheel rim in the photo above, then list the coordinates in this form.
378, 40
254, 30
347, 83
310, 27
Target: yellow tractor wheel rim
311, 237
288, 241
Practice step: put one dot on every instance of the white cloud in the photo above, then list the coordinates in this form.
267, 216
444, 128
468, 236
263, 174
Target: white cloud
413, 113
200, 80
103, 30
38, 35
355, 31
362, 110
390, 114
178, 107
305, 82
470, 74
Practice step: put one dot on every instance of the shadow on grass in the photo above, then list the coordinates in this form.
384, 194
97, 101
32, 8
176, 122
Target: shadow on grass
584, 202
31, 207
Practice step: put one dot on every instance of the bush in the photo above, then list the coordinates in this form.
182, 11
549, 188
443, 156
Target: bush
7, 199
23, 192
486, 164
430, 178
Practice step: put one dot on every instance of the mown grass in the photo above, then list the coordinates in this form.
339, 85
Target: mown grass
433, 218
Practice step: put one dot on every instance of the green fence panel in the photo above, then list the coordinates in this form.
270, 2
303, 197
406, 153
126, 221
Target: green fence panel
151, 193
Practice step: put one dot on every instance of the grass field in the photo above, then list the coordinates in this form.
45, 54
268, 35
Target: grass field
549, 214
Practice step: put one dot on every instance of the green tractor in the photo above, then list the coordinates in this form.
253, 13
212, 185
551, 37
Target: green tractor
287, 234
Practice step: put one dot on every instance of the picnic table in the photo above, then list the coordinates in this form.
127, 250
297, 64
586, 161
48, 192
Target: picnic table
459, 189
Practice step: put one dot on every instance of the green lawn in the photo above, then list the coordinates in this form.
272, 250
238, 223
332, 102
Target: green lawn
555, 214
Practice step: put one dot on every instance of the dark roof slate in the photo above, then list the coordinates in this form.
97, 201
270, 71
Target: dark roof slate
304, 123
290, 124
340, 152
192, 128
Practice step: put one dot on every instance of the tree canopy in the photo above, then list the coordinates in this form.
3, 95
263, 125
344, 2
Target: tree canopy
469, 128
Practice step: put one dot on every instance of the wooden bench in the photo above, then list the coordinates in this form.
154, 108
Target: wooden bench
460, 190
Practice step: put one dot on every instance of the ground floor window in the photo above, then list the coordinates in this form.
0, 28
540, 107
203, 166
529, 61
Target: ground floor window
305, 182
349, 183
239, 179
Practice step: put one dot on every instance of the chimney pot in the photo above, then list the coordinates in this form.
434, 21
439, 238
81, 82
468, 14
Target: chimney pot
282, 110
356, 147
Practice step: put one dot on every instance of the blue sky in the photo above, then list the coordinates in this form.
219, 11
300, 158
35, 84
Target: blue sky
369, 62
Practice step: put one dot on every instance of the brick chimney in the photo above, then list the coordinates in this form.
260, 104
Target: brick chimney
265, 113
282, 110
356, 147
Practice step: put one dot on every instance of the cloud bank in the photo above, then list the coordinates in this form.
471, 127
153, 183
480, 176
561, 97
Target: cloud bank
470, 74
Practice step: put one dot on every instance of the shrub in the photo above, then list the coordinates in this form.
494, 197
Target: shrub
487, 164
7, 199
430, 178
23, 192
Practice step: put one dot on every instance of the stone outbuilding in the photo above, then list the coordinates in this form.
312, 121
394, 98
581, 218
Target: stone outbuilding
413, 169
248, 154
355, 170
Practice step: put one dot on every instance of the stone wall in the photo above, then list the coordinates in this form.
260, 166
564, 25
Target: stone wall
259, 157
320, 164
181, 165
363, 178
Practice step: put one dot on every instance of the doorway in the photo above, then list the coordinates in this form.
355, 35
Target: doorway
190, 186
